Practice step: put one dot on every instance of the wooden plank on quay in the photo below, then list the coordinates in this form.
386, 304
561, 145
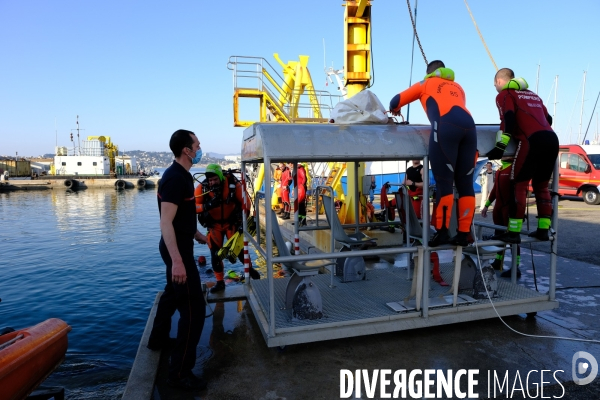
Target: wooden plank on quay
231, 293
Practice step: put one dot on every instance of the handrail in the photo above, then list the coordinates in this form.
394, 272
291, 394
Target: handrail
264, 77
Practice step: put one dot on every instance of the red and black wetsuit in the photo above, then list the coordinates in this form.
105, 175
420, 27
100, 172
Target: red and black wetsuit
501, 193
286, 181
300, 183
524, 116
452, 145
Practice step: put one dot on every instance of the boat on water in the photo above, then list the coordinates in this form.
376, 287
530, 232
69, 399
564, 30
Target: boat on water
28, 356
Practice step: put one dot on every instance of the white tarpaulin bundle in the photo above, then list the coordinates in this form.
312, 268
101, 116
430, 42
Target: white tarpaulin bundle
364, 107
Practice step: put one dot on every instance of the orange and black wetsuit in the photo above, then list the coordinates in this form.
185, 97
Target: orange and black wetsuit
524, 116
452, 143
222, 221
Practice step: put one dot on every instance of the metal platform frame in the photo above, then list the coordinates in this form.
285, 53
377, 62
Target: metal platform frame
361, 308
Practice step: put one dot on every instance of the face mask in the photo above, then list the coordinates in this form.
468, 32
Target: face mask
196, 159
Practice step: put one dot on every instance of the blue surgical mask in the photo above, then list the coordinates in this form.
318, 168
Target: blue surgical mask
196, 159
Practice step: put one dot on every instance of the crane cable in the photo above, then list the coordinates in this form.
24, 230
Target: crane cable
480, 35
415, 30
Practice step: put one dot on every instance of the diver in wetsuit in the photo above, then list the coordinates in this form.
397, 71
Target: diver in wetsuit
452, 147
524, 117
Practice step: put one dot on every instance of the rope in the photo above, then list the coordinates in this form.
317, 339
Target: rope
415, 30
480, 35
412, 58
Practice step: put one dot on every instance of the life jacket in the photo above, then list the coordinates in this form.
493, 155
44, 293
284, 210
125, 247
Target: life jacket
229, 211
444, 73
516, 84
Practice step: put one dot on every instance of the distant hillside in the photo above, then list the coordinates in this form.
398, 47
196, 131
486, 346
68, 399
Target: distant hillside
149, 160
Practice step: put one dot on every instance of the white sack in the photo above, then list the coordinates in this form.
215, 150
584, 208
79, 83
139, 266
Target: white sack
364, 107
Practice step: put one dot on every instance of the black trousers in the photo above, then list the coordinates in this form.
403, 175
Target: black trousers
188, 300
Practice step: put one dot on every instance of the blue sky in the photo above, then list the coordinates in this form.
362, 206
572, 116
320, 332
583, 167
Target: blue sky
139, 70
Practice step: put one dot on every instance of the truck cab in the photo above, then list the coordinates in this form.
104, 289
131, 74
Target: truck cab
579, 172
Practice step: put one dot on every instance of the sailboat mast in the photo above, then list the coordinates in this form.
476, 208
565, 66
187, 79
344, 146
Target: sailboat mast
78, 141
537, 79
581, 113
555, 100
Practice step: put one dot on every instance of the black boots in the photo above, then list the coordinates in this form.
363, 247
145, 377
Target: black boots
461, 239
285, 215
497, 265
508, 237
219, 287
441, 237
508, 273
540, 234
254, 273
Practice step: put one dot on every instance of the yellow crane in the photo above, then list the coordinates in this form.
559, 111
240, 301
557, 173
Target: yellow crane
282, 103
357, 70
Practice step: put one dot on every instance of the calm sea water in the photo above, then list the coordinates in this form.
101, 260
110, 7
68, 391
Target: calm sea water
91, 259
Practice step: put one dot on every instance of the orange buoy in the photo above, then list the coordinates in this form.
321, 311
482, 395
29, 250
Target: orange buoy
201, 260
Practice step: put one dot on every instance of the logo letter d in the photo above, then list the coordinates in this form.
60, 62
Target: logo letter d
577, 368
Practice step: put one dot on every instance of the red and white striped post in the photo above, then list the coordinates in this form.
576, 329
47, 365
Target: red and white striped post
246, 261
245, 213
296, 244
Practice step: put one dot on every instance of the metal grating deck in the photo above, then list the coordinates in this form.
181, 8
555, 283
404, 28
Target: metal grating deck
365, 302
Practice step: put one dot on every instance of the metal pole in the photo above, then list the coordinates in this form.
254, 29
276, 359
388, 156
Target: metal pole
537, 79
588, 127
581, 113
554, 245
407, 230
269, 245
427, 252
296, 207
555, 98
356, 196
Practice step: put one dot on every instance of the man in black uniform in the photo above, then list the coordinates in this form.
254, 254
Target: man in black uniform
183, 291
414, 181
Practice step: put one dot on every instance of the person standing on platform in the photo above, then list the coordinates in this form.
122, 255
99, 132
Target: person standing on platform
276, 197
524, 117
183, 291
300, 202
500, 194
487, 183
286, 181
452, 147
414, 182
219, 205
